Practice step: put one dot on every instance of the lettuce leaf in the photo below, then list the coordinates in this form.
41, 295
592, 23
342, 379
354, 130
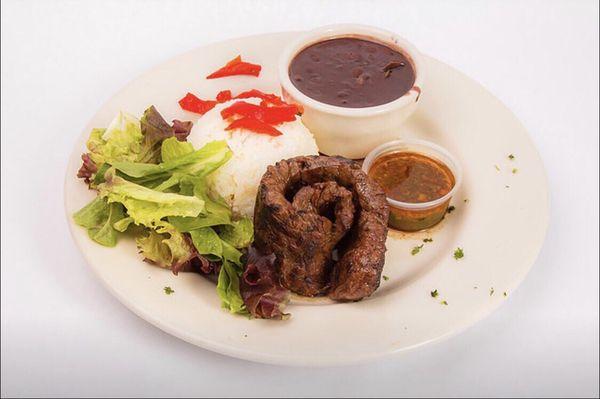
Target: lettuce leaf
197, 163
217, 212
155, 129
187, 225
263, 295
138, 169
172, 148
106, 234
146, 206
170, 182
98, 217
210, 157
88, 168
239, 233
123, 224
99, 176
151, 181
165, 247
228, 288
232, 254
207, 242
182, 129
215, 205
130, 140
96, 146
93, 214
121, 141
147, 175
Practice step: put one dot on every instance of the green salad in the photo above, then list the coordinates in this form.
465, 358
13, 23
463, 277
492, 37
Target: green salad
151, 184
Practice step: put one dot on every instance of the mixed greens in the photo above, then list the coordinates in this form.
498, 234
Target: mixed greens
151, 184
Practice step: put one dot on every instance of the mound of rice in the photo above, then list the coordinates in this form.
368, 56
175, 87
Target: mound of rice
237, 181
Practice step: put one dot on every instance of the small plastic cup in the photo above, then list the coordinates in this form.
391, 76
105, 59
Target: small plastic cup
415, 216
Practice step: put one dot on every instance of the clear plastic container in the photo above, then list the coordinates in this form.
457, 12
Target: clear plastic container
414, 216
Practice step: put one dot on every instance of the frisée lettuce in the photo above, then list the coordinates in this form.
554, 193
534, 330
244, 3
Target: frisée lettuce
165, 247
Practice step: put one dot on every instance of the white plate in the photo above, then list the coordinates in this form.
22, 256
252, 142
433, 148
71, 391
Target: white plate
501, 228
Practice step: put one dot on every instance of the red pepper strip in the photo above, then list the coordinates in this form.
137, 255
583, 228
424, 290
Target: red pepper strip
234, 61
299, 109
270, 115
240, 108
268, 98
254, 125
193, 104
223, 96
283, 113
236, 67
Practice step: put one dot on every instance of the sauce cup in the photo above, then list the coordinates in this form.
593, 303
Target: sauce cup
352, 132
415, 216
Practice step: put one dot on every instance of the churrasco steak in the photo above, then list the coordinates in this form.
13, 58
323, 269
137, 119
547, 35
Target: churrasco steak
326, 222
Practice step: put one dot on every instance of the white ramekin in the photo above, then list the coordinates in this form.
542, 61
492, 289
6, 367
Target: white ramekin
351, 132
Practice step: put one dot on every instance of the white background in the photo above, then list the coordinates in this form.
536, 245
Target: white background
64, 334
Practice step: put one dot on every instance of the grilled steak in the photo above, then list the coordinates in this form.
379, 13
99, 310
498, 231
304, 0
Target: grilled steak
309, 208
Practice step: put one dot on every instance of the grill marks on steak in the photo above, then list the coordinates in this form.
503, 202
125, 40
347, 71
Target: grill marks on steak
307, 207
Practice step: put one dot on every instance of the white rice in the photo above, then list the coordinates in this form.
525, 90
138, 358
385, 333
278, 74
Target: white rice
237, 181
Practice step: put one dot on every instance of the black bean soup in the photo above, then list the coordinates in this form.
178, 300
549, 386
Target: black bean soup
352, 73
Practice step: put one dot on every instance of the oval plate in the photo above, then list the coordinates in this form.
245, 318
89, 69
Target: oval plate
500, 222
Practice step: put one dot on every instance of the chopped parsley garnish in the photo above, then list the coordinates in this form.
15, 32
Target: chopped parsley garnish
444, 303
434, 293
515, 170
511, 156
386, 278
458, 253
497, 168
416, 249
504, 293
491, 291
427, 239
169, 290
451, 208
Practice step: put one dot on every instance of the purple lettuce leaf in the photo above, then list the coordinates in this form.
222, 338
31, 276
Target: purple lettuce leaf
263, 295
182, 129
88, 168
196, 263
